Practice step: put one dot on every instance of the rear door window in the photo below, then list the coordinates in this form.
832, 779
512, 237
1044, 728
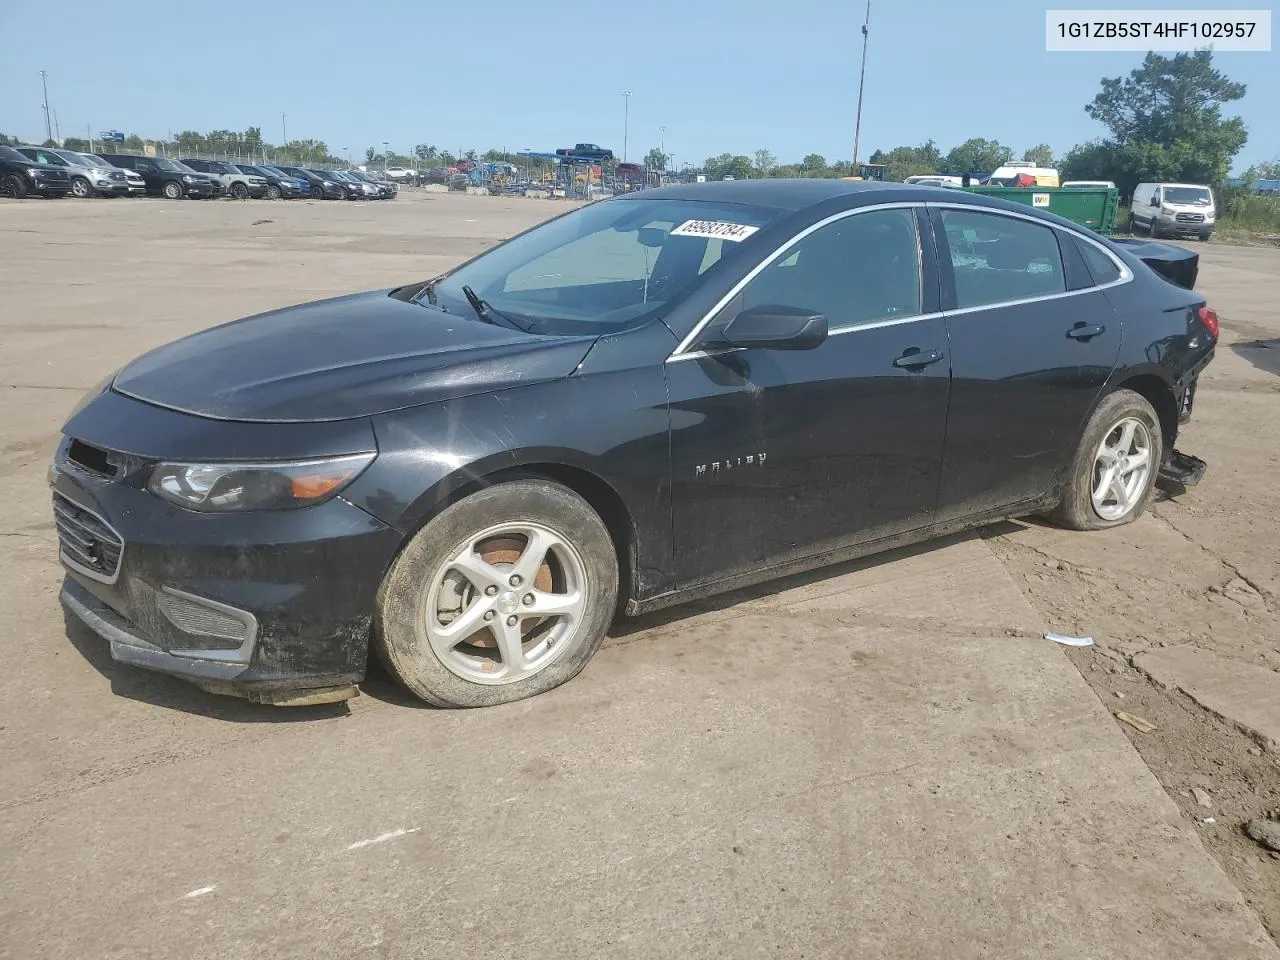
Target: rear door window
997, 259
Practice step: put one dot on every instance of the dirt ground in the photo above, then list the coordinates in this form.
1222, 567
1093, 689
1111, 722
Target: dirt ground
880, 759
1202, 569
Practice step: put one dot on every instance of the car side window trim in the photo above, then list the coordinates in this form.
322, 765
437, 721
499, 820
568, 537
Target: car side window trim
944, 259
686, 351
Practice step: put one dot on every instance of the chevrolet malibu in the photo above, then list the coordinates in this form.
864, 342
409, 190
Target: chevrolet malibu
645, 400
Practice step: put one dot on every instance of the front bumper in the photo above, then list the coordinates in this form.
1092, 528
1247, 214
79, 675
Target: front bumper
261, 605
50, 188
199, 191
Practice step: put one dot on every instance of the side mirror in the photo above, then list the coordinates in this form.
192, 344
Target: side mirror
776, 328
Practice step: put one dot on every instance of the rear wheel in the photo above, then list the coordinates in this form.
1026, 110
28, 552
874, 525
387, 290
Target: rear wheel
81, 187
1115, 468
504, 595
173, 190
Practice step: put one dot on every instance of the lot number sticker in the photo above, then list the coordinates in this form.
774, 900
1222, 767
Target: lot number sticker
1039, 199
714, 230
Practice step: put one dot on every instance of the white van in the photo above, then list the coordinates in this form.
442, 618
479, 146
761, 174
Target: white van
1044, 176
1088, 185
1173, 209
935, 180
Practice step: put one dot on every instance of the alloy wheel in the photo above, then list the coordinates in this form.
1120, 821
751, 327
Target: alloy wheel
1121, 469
506, 603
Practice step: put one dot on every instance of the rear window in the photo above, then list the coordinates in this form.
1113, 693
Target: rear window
997, 259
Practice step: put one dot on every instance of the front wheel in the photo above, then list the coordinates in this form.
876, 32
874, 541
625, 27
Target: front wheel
273, 192
173, 190
506, 594
1115, 468
81, 188
239, 191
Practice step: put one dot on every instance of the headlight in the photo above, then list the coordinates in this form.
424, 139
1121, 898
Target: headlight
93, 393
187, 178
33, 172
237, 487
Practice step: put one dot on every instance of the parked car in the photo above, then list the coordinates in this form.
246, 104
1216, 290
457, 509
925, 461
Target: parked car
352, 189
322, 188
167, 178
386, 189
1173, 209
305, 186
137, 186
87, 179
279, 185
588, 151
401, 174
784, 383
239, 185
23, 177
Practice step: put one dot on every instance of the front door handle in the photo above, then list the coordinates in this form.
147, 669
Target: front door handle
915, 358
1083, 331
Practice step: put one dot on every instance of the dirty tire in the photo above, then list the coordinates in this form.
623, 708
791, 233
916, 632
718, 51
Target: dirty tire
173, 190
1077, 511
400, 631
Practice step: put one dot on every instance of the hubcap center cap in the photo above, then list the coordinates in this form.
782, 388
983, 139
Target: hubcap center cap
508, 602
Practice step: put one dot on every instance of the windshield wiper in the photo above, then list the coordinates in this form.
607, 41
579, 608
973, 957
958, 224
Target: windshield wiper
488, 314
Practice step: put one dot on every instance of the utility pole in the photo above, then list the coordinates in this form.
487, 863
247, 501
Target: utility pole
57, 130
44, 85
626, 119
862, 79
662, 145
284, 131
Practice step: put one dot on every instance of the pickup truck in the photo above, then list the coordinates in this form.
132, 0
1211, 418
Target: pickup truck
587, 151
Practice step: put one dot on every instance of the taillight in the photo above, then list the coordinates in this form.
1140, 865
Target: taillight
1209, 317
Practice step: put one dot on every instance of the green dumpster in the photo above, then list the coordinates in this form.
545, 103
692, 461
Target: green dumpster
1095, 209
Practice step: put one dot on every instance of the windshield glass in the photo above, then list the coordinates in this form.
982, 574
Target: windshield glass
171, 166
611, 264
1194, 195
96, 161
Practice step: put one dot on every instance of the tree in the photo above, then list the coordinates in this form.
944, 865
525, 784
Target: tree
1166, 121
902, 162
76, 144
425, 152
765, 162
655, 159
813, 165
1263, 171
977, 156
1041, 155
727, 165
369, 154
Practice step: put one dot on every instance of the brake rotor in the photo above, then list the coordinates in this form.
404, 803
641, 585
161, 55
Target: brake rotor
503, 552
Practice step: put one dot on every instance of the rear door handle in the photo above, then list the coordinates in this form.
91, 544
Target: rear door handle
1082, 331
915, 358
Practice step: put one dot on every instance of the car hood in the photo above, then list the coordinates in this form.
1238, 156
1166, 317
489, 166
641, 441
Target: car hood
351, 356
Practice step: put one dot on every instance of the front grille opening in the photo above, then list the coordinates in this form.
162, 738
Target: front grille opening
91, 458
86, 541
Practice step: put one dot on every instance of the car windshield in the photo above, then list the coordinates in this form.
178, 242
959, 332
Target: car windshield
95, 161
609, 265
171, 166
1190, 195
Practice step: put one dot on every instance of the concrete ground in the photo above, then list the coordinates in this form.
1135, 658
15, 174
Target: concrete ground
799, 770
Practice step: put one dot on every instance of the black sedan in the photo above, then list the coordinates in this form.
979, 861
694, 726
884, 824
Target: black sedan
645, 400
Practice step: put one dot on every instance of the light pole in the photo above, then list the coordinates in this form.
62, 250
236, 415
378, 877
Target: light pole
862, 79
284, 131
626, 119
44, 85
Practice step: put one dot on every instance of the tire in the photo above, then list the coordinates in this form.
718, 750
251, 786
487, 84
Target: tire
239, 191
424, 586
14, 185
1080, 508
172, 190
273, 192
81, 187
1204, 237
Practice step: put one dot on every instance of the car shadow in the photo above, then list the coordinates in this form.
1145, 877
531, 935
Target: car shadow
172, 693
1263, 354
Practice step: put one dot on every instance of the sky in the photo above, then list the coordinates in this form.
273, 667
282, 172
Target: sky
515, 74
